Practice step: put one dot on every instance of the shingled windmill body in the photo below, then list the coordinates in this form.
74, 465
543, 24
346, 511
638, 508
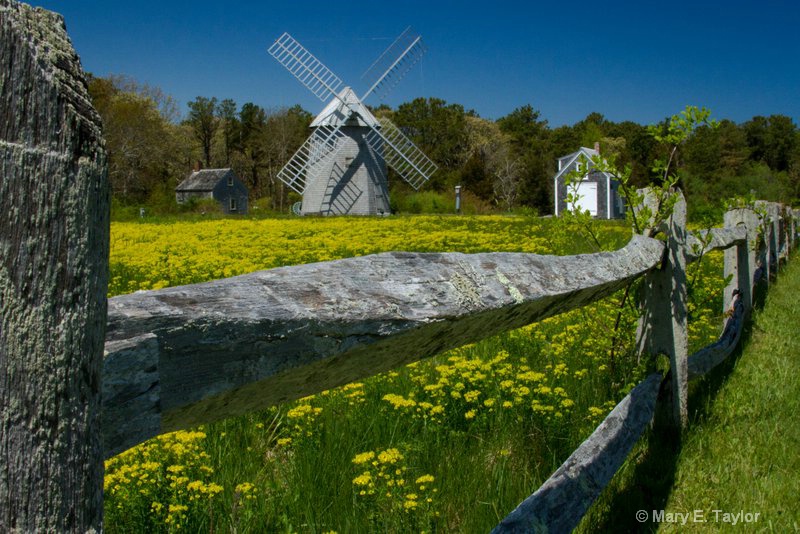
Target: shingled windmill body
342, 167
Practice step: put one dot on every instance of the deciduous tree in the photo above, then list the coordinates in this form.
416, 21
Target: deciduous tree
204, 122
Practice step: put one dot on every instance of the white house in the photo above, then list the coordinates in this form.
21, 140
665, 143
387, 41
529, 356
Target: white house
598, 192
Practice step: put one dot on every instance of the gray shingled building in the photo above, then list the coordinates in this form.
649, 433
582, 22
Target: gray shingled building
220, 184
354, 181
598, 191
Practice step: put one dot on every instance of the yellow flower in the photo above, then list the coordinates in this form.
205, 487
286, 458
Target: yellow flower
196, 485
471, 396
212, 489
390, 456
245, 488
363, 479
424, 479
363, 457
470, 415
594, 412
410, 504
398, 401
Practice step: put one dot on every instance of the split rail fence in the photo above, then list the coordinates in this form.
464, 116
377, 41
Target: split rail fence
183, 356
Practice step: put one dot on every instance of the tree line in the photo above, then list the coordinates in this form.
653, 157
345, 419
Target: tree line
506, 163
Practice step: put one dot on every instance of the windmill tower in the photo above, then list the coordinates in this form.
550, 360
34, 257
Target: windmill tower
342, 167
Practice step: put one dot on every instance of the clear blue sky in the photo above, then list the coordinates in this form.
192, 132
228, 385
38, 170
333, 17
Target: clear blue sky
639, 61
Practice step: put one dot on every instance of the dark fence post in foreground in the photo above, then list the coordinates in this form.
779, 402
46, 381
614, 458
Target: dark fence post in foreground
53, 280
663, 325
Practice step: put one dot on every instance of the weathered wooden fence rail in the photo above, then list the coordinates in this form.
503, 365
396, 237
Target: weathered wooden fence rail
182, 356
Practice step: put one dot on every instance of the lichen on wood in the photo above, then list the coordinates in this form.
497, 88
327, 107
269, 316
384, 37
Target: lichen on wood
53, 279
234, 345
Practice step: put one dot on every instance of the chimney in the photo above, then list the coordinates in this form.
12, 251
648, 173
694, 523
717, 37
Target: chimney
597, 146
197, 166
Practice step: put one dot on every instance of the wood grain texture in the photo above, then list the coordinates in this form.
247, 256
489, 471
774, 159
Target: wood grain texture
231, 346
740, 261
53, 279
702, 361
704, 241
663, 323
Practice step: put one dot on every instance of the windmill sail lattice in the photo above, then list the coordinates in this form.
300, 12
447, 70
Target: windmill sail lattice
401, 154
305, 67
341, 167
394, 64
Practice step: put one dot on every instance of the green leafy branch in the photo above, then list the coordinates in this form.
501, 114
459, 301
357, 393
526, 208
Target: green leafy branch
645, 218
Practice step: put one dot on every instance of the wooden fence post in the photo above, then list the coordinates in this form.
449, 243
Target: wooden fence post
53, 279
740, 261
782, 231
793, 214
662, 327
773, 209
764, 249
788, 228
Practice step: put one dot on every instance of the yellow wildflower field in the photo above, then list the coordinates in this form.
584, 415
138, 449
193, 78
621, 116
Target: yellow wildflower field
156, 255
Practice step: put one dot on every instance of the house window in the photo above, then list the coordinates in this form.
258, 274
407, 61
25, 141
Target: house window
348, 160
230, 180
232, 204
579, 166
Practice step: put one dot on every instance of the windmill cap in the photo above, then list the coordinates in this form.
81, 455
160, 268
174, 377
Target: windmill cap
345, 110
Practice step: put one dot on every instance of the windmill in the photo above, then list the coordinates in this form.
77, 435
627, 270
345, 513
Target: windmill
342, 167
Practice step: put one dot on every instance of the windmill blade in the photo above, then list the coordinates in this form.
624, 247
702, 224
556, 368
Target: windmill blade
401, 154
305, 67
322, 144
394, 63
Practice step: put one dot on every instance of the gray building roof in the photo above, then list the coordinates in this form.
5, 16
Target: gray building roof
203, 180
336, 114
567, 160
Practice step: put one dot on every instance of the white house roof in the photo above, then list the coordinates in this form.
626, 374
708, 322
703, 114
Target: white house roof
337, 114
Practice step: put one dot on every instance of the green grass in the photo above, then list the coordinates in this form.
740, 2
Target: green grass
742, 450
